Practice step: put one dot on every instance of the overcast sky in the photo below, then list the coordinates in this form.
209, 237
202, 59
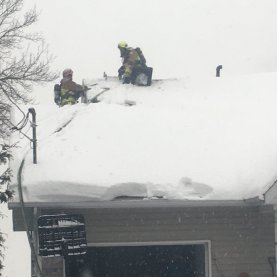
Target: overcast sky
179, 38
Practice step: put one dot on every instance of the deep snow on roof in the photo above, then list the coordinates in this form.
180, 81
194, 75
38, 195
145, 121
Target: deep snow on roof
208, 139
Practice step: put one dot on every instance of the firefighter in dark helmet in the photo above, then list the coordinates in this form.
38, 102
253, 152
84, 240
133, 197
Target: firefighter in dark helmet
68, 92
133, 64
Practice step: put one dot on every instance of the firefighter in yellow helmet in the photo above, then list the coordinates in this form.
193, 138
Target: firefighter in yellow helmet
133, 61
68, 92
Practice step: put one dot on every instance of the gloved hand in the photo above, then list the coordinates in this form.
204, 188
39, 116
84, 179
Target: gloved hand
86, 88
120, 72
57, 100
77, 94
126, 80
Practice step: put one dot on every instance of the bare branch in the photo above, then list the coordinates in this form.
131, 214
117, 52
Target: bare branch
20, 70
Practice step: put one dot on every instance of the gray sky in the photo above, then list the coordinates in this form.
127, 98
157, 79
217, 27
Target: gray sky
179, 38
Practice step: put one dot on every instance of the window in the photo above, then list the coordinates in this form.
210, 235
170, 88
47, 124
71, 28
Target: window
161, 260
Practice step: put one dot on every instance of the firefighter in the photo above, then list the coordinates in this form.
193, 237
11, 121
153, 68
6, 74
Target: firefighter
133, 63
68, 92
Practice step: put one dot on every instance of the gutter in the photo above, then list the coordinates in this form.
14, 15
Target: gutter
143, 203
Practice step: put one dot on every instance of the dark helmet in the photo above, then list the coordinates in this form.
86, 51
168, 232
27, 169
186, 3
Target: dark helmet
67, 72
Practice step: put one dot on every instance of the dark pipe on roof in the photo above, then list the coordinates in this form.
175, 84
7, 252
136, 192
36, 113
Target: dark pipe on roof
218, 68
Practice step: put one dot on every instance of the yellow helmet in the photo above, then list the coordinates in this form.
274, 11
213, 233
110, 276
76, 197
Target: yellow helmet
122, 44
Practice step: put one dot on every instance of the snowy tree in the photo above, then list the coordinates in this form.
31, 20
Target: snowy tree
5, 193
24, 59
24, 62
2, 240
5, 178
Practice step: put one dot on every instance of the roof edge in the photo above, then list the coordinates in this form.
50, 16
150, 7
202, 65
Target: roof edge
140, 203
270, 195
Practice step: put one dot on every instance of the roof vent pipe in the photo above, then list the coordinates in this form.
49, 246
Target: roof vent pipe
218, 68
34, 140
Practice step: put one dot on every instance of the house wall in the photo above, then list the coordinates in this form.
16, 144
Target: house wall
242, 237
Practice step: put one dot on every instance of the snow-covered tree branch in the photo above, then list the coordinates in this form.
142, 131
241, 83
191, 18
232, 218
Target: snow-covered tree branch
5, 193
24, 62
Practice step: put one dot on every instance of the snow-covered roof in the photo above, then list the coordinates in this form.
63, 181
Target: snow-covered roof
209, 139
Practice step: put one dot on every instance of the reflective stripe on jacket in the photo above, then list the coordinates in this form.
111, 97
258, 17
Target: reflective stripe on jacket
70, 92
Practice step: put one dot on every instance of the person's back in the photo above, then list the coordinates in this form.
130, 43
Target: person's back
133, 64
132, 58
69, 90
